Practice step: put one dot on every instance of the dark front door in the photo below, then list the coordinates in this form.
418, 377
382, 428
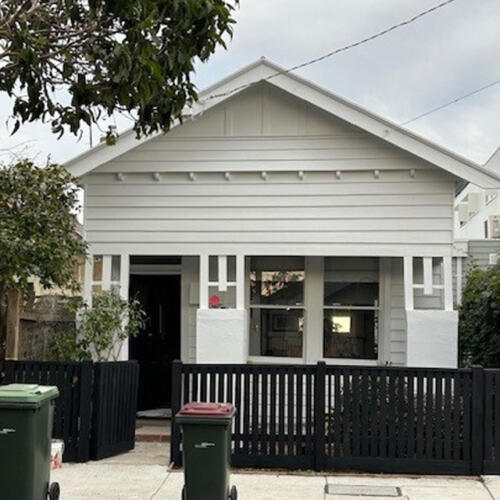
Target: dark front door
159, 343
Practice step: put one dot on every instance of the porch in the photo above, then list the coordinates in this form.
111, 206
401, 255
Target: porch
360, 310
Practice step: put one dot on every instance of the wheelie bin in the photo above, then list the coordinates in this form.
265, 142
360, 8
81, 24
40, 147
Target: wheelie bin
206, 450
26, 413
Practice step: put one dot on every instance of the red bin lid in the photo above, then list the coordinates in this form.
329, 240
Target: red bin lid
207, 409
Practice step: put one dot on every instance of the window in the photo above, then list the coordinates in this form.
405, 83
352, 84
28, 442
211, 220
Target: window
351, 308
277, 306
113, 272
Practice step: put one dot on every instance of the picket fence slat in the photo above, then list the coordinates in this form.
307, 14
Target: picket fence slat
378, 419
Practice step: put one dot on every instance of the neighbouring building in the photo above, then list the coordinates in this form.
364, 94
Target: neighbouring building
279, 223
477, 220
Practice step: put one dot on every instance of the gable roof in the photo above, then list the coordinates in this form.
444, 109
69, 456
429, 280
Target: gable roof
303, 89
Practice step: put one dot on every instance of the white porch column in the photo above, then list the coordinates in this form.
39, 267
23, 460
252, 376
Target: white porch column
432, 324
313, 340
87, 280
124, 294
221, 333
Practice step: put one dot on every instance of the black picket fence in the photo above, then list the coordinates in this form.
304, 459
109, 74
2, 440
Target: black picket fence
96, 409
376, 419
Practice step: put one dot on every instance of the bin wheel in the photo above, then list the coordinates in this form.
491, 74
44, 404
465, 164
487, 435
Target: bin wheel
233, 495
54, 491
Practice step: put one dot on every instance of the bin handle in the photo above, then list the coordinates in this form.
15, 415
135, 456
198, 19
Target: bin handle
4, 432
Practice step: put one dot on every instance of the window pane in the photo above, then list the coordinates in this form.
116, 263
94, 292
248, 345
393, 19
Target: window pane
221, 300
115, 267
351, 294
275, 285
276, 332
350, 334
97, 268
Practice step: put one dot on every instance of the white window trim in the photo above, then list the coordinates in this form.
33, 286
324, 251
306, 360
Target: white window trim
276, 360
351, 361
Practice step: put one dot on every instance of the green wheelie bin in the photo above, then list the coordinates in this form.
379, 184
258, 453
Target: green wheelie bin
26, 413
206, 450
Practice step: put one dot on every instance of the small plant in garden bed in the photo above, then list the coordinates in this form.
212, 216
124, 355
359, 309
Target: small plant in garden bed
101, 329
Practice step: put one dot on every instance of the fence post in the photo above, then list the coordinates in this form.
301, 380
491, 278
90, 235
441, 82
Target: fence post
319, 416
175, 441
477, 424
86, 389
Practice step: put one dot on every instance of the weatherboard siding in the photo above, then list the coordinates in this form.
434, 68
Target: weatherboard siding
391, 215
266, 173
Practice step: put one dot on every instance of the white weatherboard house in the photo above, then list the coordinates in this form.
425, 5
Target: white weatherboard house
279, 223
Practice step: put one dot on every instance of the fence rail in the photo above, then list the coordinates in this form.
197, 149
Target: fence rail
96, 408
380, 419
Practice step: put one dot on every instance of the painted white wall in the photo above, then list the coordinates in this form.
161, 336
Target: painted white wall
221, 336
299, 182
432, 339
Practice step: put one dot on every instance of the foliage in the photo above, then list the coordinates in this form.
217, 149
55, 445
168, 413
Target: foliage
101, 329
37, 236
66, 347
132, 56
479, 321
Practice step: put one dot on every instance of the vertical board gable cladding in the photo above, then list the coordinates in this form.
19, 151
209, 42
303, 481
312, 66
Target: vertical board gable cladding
317, 213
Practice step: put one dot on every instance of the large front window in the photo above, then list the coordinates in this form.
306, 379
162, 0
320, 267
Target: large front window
351, 308
277, 306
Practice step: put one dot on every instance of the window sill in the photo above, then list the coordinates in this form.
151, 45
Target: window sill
350, 361
275, 360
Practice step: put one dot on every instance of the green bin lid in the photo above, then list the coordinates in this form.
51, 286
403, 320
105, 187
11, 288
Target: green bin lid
27, 393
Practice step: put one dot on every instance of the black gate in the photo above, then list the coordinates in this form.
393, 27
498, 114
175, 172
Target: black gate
95, 411
378, 419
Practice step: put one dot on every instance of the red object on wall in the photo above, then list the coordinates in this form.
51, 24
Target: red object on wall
214, 301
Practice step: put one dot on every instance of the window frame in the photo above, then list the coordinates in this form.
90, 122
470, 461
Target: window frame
313, 347
264, 358
378, 307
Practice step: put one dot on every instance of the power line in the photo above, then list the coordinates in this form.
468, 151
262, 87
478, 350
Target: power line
336, 51
449, 103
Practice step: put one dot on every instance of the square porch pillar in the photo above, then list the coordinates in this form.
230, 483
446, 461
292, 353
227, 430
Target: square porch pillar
221, 333
431, 321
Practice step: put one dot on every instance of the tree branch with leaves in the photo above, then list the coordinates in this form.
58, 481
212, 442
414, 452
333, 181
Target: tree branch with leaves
125, 56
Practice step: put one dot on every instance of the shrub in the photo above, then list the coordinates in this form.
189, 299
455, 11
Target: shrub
479, 320
101, 329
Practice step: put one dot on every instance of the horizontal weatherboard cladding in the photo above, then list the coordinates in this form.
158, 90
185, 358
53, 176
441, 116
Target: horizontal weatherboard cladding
266, 173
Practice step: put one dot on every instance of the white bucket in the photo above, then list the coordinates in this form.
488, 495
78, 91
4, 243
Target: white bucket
56, 456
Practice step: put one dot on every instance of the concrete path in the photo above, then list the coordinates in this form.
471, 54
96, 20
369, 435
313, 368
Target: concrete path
152, 482
142, 475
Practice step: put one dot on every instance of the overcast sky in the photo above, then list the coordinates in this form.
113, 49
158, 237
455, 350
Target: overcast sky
446, 54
